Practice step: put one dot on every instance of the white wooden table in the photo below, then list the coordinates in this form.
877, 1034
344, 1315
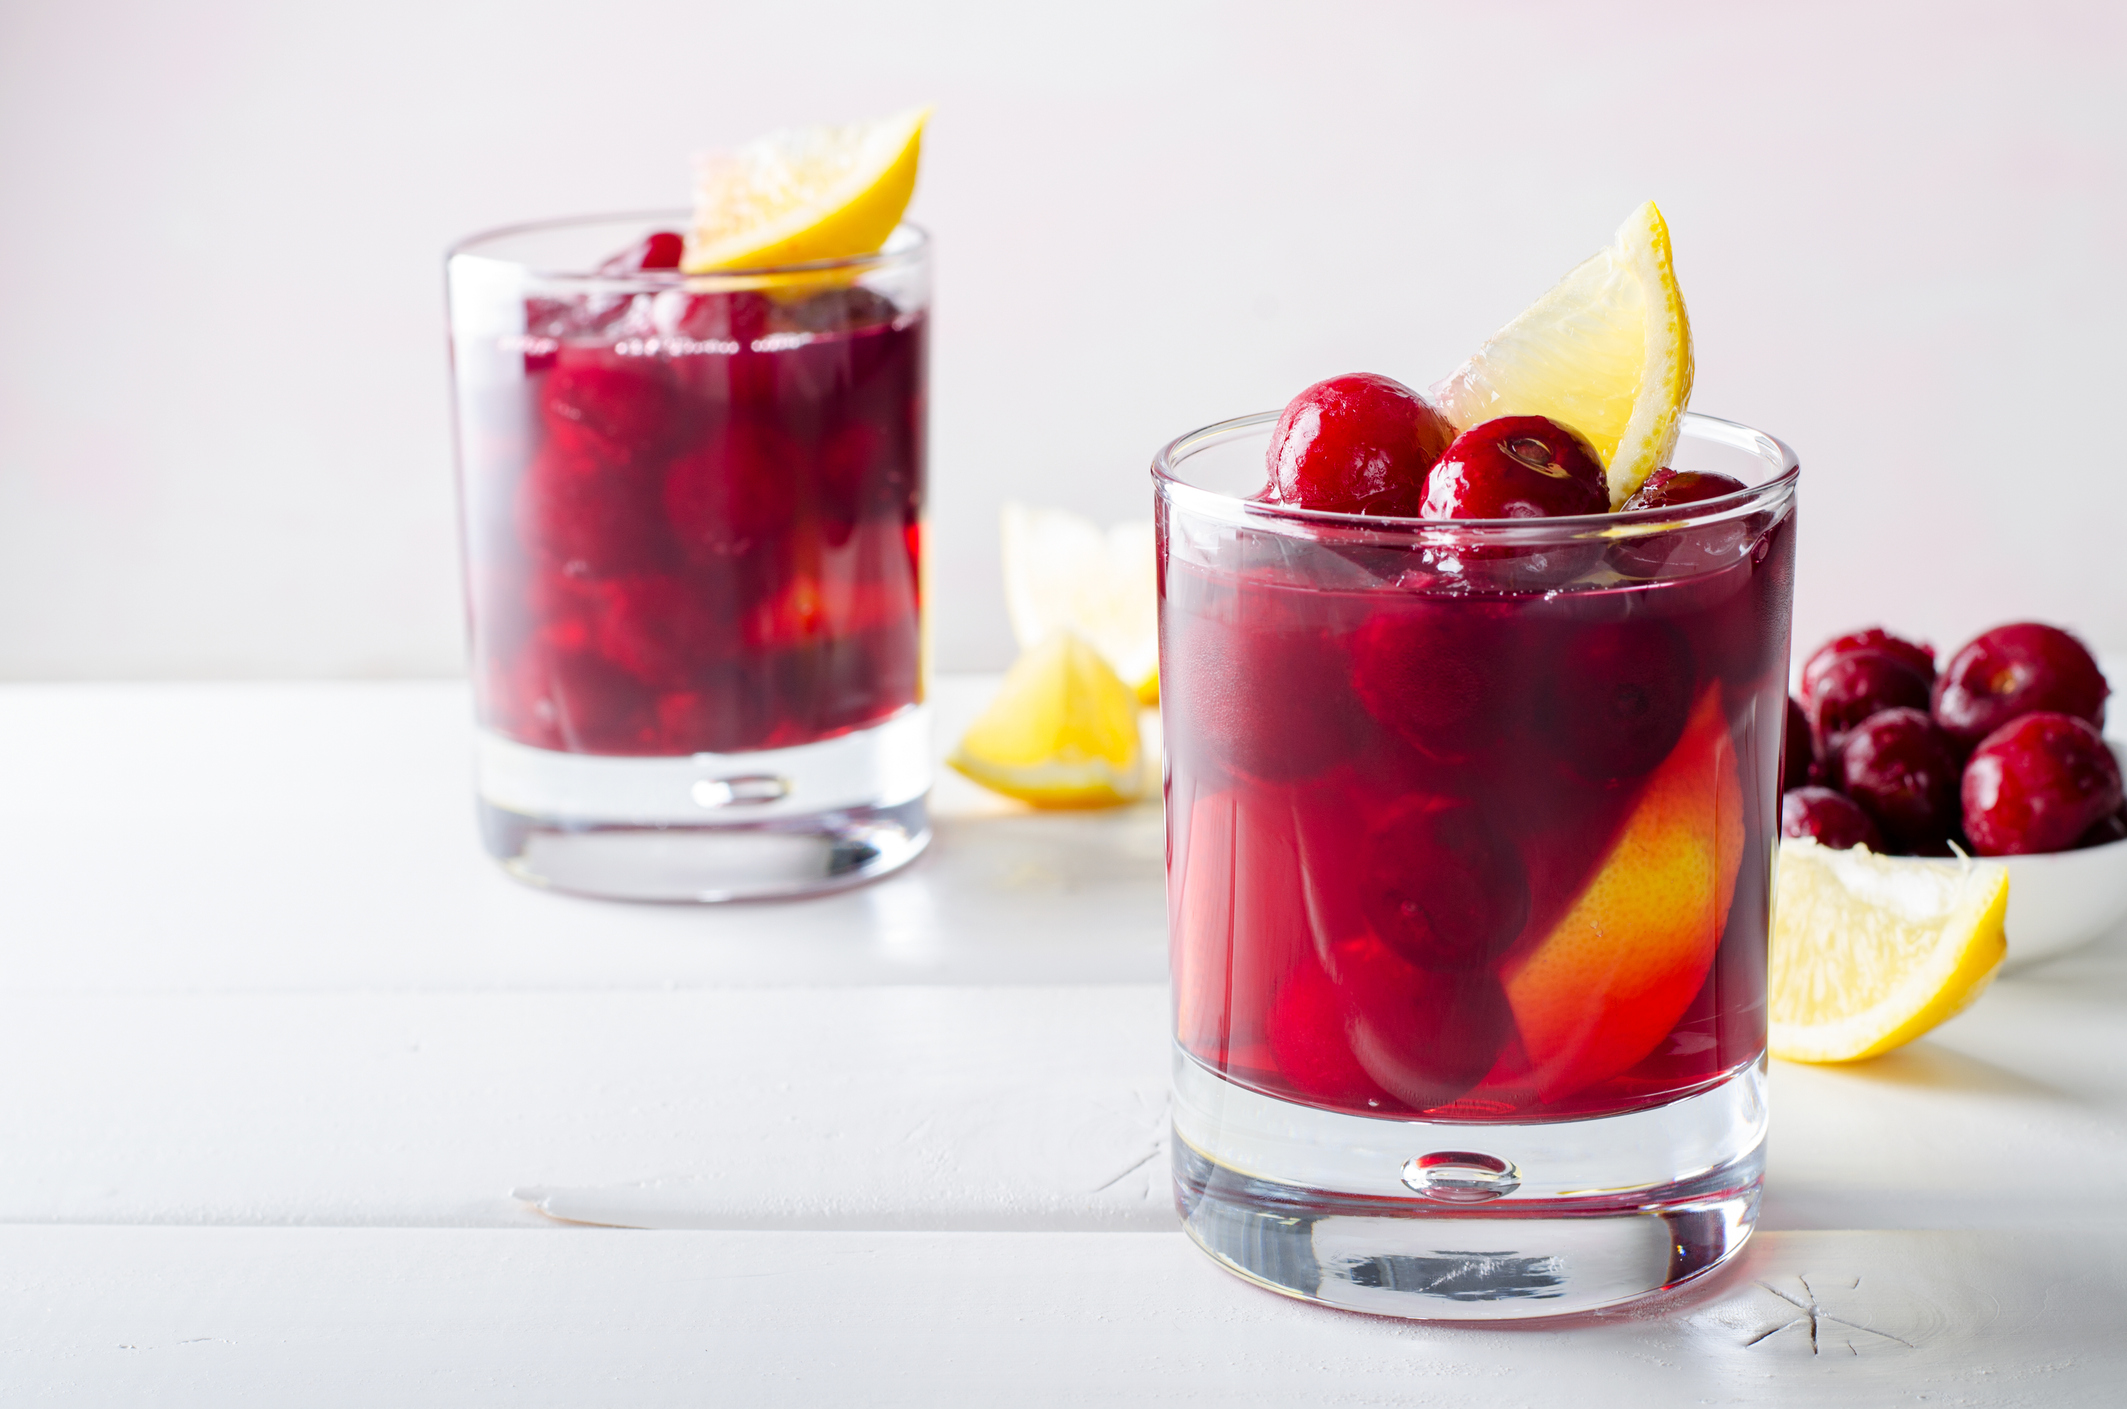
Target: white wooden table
305, 1102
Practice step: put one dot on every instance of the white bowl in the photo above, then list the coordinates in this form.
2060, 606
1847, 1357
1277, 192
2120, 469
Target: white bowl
2059, 901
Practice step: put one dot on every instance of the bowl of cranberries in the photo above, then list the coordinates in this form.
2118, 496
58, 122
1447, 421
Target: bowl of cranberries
1999, 752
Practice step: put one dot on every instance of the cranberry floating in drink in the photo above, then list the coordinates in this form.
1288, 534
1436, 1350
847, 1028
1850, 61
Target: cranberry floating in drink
692, 470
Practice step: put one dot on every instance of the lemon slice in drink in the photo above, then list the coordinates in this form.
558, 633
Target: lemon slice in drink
806, 194
1607, 351
1869, 952
1063, 573
1062, 732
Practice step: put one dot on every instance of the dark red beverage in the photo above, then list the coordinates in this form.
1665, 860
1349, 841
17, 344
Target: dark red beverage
1466, 826
694, 512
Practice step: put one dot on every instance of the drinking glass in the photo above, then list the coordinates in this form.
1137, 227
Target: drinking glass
693, 515
1471, 829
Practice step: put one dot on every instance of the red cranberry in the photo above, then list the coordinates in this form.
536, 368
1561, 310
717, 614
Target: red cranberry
1903, 771
731, 491
583, 701
1667, 488
660, 628
1443, 888
1834, 819
619, 409
2014, 670
1854, 687
659, 250
1516, 467
1306, 1032
1357, 444
2038, 784
582, 516
1425, 1037
1917, 657
1795, 746
1616, 697
1435, 675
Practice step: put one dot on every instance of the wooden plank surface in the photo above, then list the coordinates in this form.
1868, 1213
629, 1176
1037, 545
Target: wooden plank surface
272, 837
328, 1317
886, 1107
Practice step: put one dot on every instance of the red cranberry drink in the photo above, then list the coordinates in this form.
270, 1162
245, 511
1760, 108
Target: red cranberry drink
1451, 844
692, 471
1474, 747
700, 521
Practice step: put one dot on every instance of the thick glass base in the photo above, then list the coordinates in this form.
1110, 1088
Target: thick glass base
1439, 1221
772, 824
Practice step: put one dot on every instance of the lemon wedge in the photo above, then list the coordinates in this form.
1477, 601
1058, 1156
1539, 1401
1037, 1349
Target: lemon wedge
1869, 952
806, 194
1607, 351
1062, 573
1062, 731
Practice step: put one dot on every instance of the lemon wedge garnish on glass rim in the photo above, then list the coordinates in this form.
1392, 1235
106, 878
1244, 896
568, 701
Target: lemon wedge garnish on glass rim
1869, 952
1062, 731
1063, 573
1607, 351
806, 194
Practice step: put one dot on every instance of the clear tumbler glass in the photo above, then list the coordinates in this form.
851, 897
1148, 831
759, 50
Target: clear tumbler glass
1471, 828
693, 514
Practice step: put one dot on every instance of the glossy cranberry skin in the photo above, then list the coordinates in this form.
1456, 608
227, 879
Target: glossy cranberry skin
1442, 887
1918, 658
2015, 670
1356, 444
1667, 488
1436, 676
1904, 773
2037, 784
1516, 467
1795, 746
659, 250
1854, 687
1832, 818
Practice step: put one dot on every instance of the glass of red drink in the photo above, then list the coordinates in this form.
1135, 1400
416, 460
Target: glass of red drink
693, 509
1471, 826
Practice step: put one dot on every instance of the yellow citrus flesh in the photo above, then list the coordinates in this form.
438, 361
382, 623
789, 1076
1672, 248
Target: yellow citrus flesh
1610, 980
1869, 952
1063, 573
1062, 731
808, 194
1607, 351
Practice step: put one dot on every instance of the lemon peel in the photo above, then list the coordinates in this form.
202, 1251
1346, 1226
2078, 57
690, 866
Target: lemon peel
810, 193
1606, 351
1869, 952
1062, 731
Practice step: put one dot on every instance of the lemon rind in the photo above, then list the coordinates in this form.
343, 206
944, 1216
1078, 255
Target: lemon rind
1949, 981
850, 219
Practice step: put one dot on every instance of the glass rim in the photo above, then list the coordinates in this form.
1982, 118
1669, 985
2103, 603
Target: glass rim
915, 248
1314, 523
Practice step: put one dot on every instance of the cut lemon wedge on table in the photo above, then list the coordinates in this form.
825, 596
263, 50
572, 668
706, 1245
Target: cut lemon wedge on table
807, 194
1062, 731
1869, 952
1607, 351
1063, 573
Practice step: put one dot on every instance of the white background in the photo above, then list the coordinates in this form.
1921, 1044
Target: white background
223, 412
